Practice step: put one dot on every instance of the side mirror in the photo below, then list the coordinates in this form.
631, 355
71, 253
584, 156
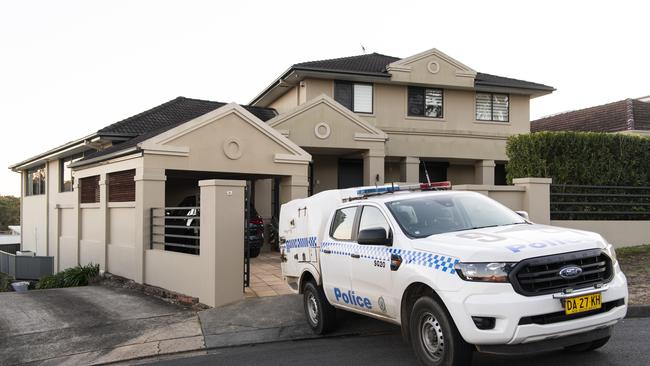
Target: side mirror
376, 236
523, 214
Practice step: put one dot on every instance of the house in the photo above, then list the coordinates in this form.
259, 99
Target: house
624, 116
360, 120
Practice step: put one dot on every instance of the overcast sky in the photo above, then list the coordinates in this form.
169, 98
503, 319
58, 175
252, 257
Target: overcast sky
68, 68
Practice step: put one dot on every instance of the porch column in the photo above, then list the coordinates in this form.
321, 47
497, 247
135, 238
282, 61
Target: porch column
222, 241
149, 193
410, 169
373, 168
537, 198
484, 172
293, 187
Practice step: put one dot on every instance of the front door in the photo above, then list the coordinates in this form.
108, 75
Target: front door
370, 266
350, 173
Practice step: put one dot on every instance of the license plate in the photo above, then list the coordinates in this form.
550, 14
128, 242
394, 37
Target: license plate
581, 304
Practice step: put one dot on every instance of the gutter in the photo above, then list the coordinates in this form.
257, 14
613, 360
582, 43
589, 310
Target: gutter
72, 144
112, 155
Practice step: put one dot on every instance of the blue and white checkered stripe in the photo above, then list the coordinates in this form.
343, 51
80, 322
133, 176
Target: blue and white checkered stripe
308, 242
415, 257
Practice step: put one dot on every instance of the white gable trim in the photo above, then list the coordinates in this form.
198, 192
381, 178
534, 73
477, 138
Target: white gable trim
156, 144
371, 132
403, 64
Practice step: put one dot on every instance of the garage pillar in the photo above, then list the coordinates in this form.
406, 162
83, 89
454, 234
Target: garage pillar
484, 172
222, 241
373, 168
149, 193
293, 187
410, 169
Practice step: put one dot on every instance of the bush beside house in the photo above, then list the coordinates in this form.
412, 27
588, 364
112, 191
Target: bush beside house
585, 158
71, 277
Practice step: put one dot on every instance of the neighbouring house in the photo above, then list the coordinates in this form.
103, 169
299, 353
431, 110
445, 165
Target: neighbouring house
625, 116
360, 120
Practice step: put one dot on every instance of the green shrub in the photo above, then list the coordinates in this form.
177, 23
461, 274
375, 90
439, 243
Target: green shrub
71, 277
5, 282
585, 158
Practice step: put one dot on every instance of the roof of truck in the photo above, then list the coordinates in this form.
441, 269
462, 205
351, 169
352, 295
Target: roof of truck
400, 195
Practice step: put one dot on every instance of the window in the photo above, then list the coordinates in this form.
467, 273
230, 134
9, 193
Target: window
89, 189
372, 218
492, 107
424, 102
121, 186
342, 224
66, 181
35, 183
356, 97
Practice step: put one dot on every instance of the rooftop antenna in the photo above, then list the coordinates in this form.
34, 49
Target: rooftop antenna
426, 172
363, 49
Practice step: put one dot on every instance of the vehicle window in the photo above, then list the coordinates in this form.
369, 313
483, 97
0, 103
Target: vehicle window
372, 218
342, 224
441, 213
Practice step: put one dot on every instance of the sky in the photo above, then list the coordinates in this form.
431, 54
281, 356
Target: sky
68, 68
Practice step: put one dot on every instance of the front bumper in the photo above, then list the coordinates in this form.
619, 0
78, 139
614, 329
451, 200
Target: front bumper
508, 308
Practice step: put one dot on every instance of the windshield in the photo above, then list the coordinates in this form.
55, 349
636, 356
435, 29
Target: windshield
442, 213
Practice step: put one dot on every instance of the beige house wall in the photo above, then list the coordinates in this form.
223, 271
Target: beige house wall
288, 101
34, 225
460, 174
325, 172
618, 233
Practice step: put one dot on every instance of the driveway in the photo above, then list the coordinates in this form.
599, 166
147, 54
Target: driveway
93, 324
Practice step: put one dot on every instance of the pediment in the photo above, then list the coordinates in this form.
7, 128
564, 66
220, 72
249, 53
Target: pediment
432, 67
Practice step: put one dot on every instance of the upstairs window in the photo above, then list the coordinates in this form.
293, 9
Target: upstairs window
66, 183
89, 189
121, 186
35, 183
356, 97
425, 102
492, 107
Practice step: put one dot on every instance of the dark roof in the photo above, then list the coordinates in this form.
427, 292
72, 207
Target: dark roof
376, 63
373, 63
164, 117
628, 114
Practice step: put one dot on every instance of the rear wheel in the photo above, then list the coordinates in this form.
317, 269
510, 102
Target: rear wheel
434, 336
588, 346
321, 315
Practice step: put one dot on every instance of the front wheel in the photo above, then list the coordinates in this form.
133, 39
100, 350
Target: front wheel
435, 338
321, 315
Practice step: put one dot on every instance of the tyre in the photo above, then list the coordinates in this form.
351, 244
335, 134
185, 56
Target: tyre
588, 346
434, 336
254, 252
321, 316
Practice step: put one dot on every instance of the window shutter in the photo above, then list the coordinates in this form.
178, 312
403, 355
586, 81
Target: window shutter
121, 186
89, 189
343, 93
415, 101
500, 107
483, 107
363, 98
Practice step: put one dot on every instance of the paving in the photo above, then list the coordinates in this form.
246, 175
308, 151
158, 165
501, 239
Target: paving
266, 277
91, 325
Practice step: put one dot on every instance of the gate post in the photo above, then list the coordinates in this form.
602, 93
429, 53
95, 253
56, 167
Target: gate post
222, 240
537, 198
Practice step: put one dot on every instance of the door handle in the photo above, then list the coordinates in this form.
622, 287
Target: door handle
327, 251
353, 255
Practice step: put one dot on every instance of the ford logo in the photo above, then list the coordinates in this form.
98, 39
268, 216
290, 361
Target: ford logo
570, 272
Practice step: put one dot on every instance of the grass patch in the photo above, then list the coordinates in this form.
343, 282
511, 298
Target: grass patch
71, 277
629, 251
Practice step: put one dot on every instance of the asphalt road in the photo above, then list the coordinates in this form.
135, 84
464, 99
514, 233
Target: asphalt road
630, 345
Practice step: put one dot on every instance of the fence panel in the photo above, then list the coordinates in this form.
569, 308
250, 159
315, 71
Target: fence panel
25, 267
583, 202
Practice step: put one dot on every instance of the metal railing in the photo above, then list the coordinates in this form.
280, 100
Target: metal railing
176, 229
26, 267
585, 202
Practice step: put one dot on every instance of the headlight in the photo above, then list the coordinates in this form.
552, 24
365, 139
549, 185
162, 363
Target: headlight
484, 272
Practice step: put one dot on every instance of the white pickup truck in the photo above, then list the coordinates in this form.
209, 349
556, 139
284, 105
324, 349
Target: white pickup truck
458, 271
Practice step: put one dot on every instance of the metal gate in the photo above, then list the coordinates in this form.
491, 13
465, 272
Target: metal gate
247, 218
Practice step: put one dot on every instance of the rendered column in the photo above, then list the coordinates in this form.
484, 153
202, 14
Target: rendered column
537, 198
410, 170
484, 172
373, 168
293, 187
149, 193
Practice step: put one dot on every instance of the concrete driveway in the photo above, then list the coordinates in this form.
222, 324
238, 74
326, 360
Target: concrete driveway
90, 325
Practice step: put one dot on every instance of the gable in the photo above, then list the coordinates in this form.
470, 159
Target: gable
229, 139
323, 122
432, 67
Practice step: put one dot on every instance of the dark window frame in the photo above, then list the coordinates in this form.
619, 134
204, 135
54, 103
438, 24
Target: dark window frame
29, 185
353, 83
424, 101
62, 162
507, 120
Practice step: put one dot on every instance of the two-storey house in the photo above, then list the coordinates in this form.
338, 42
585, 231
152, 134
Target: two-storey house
352, 121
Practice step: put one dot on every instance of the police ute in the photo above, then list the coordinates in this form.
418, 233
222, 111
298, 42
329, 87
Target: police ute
458, 271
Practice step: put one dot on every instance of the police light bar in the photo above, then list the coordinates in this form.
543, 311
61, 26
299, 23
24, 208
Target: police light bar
431, 186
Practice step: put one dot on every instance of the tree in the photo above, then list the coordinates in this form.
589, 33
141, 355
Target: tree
9, 212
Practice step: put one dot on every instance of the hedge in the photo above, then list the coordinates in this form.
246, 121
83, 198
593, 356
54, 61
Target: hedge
586, 158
